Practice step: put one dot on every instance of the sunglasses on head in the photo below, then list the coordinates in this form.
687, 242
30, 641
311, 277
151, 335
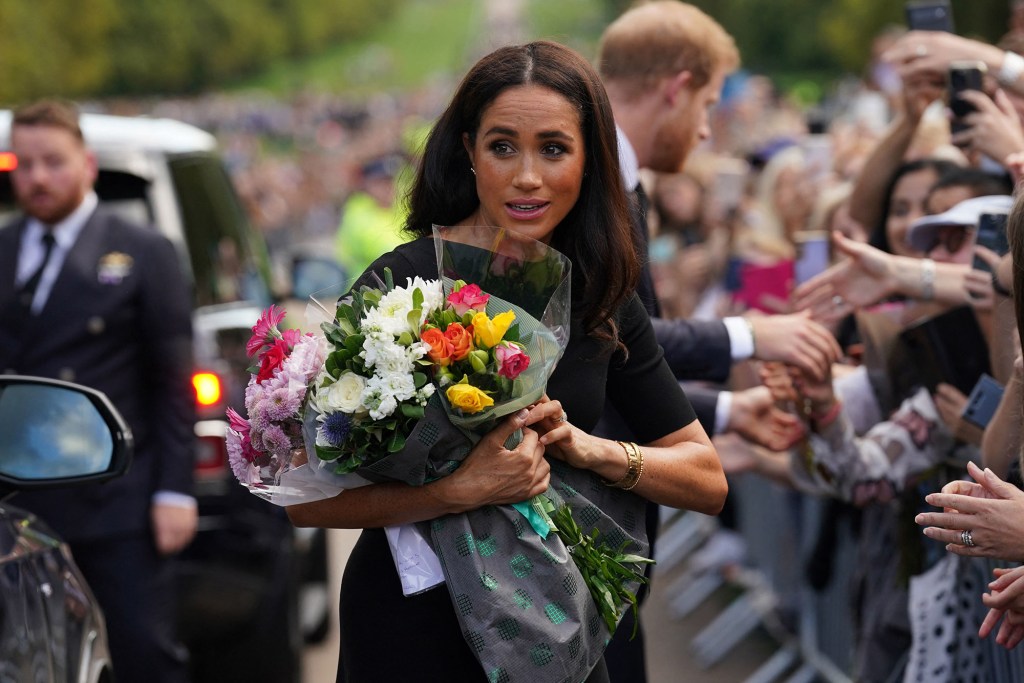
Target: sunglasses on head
951, 237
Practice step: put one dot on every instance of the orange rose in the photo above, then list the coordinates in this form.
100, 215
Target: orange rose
440, 348
461, 340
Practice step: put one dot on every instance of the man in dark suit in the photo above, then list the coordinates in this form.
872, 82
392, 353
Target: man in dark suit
90, 298
663, 65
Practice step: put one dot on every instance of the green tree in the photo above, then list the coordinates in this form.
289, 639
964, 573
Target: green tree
48, 50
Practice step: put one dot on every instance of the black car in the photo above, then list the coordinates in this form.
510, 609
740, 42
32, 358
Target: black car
242, 577
52, 434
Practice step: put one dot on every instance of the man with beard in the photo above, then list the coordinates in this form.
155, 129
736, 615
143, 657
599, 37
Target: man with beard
87, 297
663, 65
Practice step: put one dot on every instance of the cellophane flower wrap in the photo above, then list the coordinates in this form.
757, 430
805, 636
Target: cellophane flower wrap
267, 443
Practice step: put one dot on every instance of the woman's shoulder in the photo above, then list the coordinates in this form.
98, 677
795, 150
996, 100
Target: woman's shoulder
416, 257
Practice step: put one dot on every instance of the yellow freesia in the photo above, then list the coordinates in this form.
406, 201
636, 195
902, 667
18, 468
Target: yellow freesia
487, 332
468, 398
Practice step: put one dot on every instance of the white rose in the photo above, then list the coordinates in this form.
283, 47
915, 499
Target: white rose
345, 395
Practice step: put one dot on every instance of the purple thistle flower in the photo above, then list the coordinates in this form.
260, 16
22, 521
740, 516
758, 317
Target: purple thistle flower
336, 428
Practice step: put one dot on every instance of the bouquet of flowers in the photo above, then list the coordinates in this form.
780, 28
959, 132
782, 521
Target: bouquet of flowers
262, 448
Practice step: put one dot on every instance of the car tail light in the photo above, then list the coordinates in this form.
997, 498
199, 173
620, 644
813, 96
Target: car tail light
212, 452
8, 162
207, 386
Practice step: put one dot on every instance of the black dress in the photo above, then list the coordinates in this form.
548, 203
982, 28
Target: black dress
386, 636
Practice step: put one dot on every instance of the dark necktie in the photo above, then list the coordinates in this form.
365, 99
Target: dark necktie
645, 287
28, 290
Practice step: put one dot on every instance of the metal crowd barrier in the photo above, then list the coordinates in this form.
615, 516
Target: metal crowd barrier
814, 630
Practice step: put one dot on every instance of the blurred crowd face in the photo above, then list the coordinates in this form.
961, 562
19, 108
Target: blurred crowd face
529, 160
689, 124
905, 207
54, 172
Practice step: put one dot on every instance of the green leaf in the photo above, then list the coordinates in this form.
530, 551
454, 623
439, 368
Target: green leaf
417, 299
412, 411
389, 280
396, 442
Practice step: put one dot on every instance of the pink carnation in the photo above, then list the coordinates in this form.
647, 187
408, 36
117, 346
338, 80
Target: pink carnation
469, 297
512, 360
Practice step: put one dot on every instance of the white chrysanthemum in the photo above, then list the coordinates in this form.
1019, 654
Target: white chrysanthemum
391, 315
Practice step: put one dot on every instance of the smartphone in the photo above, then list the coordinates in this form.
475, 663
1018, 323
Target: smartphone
991, 234
964, 75
924, 15
983, 401
728, 187
812, 249
817, 150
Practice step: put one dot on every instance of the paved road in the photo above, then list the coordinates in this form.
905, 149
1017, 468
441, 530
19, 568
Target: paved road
670, 658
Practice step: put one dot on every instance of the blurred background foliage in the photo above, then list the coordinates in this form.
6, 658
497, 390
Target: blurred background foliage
98, 48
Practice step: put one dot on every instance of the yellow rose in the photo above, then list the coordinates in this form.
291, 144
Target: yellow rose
468, 398
489, 332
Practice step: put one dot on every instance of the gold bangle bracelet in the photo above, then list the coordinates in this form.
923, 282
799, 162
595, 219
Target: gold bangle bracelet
634, 466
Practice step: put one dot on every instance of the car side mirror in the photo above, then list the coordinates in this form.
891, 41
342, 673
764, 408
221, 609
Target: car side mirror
55, 433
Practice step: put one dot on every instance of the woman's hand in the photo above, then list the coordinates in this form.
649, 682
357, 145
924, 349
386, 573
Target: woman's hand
994, 129
494, 475
864, 278
991, 509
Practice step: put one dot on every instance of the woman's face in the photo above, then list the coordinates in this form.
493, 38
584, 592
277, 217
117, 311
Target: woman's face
905, 207
529, 161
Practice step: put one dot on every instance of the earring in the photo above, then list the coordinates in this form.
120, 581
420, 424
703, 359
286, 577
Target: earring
473, 170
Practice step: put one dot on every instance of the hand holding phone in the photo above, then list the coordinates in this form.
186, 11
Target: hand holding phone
963, 75
983, 401
991, 234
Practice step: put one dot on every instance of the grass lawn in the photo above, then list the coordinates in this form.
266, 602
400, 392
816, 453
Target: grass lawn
426, 40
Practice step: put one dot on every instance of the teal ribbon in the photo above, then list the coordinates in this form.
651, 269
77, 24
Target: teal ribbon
533, 509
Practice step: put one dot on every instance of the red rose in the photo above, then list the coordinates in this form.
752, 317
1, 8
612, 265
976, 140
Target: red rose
272, 359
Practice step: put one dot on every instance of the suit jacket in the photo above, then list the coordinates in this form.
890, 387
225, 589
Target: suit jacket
118, 319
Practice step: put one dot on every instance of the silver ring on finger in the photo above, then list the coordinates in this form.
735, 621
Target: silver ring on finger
837, 300
965, 536
564, 417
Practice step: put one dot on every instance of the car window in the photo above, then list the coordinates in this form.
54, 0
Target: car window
229, 262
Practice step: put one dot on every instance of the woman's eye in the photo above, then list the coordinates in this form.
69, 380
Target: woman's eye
553, 150
501, 148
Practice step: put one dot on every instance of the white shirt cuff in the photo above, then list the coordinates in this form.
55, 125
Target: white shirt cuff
174, 498
741, 341
722, 409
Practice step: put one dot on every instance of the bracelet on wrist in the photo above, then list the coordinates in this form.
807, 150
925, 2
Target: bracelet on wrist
1012, 68
634, 466
828, 417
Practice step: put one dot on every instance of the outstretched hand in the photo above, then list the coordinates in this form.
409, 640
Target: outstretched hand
991, 509
797, 340
755, 417
864, 278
